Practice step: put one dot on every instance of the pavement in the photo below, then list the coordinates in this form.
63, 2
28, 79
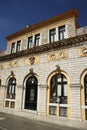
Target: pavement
81, 125
62, 121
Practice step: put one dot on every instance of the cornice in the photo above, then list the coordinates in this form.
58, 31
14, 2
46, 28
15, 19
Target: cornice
44, 23
58, 45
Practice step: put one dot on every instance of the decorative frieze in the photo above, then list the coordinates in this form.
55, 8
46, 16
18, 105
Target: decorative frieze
13, 64
58, 56
32, 60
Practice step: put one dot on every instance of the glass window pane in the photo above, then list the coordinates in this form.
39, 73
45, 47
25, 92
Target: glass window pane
37, 42
65, 89
54, 91
7, 104
61, 32
58, 90
61, 37
52, 110
52, 39
30, 42
12, 105
63, 111
59, 78
64, 78
13, 48
18, 46
11, 88
37, 39
52, 35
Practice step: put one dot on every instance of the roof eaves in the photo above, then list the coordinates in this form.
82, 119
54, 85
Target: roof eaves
51, 20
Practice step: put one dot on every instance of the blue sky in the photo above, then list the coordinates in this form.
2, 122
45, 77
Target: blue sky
16, 14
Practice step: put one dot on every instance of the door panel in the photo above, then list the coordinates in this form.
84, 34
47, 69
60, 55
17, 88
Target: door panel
31, 96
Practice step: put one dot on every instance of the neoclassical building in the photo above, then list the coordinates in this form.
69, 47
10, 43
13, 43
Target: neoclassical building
44, 69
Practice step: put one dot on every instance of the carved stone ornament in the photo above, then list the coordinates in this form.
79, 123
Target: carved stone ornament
84, 51
11, 65
62, 55
32, 60
58, 68
12, 73
1, 67
31, 71
16, 63
52, 57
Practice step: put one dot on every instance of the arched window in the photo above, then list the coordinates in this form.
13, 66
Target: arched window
58, 90
85, 89
11, 88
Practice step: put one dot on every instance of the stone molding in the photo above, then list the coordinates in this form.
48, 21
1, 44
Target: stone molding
75, 85
4, 86
42, 86
19, 86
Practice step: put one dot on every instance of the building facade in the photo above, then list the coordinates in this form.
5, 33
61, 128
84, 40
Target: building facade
44, 69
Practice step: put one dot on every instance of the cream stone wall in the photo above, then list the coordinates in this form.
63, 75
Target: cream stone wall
72, 61
73, 65
82, 30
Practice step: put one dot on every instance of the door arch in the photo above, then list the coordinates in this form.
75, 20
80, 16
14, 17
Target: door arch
31, 93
